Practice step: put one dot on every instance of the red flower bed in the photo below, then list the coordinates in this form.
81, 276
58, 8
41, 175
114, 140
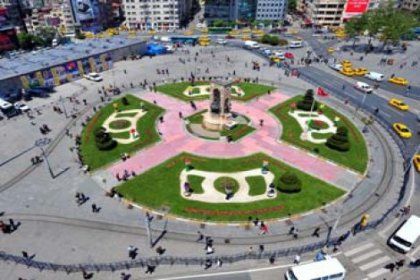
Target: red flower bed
234, 212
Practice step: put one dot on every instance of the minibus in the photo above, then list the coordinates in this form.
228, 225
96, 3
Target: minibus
406, 235
329, 268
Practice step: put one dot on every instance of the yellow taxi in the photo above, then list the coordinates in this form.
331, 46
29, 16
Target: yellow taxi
360, 71
275, 59
347, 71
330, 50
245, 38
151, 32
399, 104
416, 162
402, 130
188, 33
398, 81
346, 63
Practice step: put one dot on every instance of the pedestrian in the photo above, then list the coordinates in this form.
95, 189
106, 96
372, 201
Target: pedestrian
250, 250
256, 221
87, 275
296, 233
297, 259
12, 224
272, 259
209, 250
291, 230
208, 264
125, 71
150, 269
160, 250
95, 209
200, 236
219, 262
263, 228
85, 102
261, 122
132, 252
125, 276
180, 115
316, 232
262, 248
390, 266
343, 87
161, 119
399, 264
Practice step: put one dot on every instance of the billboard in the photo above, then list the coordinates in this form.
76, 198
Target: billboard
85, 10
355, 7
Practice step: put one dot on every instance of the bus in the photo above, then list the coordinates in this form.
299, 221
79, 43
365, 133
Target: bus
8, 109
329, 268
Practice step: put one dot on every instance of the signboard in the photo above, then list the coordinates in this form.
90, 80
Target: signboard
355, 7
85, 10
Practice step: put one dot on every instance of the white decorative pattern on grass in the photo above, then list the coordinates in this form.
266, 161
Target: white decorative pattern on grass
211, 195
307, 131
133, 124
203, 91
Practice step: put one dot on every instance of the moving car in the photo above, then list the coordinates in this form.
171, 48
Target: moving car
398, 81
347, 71
360, 71
374, 76
279, 54
416, 162
402, 130
330, 268
331, 50
22, 107
93, 77
399, 104
296, 44
275, 59
336, 67
251, 45
406, 235
221, 41
363, 87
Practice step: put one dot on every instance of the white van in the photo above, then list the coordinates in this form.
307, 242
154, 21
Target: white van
375, 76
251, 45
363, 87
295, 44
406, 235
326, 269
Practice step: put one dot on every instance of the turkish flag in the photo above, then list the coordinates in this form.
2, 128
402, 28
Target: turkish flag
321, 92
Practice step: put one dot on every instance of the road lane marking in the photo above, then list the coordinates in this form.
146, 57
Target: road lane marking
378, 272
375, 263
366, 256
358, 249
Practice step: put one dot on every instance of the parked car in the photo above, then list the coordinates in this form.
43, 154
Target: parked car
22, 107
399, 104
402, 130
93, 77
221, 41
336, 67
416, 162
363, 87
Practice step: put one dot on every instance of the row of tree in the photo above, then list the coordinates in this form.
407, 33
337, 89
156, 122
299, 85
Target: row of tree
386, 23
42, 38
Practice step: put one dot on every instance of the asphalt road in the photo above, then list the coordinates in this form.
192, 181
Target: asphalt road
388, 114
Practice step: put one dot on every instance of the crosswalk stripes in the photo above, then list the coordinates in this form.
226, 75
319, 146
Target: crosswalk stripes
369, 259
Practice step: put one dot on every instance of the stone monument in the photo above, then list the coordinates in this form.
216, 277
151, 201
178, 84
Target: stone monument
219, 115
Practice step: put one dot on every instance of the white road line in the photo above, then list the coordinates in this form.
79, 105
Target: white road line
374, 263
201, 275
358, 249
366, 256
377, 273
386, 114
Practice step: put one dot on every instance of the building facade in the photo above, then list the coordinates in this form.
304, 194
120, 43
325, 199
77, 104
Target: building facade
323, 12
156, 14
271, 9
15, 13
410, 5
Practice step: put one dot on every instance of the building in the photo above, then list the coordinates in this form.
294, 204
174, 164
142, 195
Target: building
156, 14
271, 9
15, 13
410, 5
245, 10
8, 39
322, 12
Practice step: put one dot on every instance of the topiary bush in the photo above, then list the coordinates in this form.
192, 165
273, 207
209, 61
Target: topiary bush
340, 140
289, 183
307, 102
103, 140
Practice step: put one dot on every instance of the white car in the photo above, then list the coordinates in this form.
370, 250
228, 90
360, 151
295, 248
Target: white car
221, 41
279, 54
336, 67
93, 77
21, 107
363, 87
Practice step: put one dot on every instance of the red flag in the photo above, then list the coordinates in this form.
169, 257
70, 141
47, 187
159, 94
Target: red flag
321, 92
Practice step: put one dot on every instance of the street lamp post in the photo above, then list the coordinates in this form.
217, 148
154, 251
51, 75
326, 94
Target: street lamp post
64, 106
40, 143
148, 230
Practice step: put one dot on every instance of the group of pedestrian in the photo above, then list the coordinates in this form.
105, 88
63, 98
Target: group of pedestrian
395, 265
44, 129
294, 231
260, 225
125, 176
162, 71
36, 160
81, 198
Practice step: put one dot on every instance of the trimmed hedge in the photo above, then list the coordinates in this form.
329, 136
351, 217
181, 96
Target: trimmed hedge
289, 183
103, 140
307, 102
340, 140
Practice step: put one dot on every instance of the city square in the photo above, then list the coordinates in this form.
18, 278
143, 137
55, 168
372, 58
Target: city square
212, 162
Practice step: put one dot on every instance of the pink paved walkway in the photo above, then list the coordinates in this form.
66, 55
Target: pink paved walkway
175, 139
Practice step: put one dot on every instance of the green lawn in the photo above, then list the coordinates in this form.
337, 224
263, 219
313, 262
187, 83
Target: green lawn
251, 90
95, 158
160, 186
221, 183
257, 185
356, 158
195, 183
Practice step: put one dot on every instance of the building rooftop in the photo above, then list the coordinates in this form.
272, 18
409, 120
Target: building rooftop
20, 63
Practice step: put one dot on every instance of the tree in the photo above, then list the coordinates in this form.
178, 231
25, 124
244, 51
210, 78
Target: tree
397, 24
47, 34
355, 26
289, 183
103, 140
25, 40
340, 140
219, 23
308, 103
292, 5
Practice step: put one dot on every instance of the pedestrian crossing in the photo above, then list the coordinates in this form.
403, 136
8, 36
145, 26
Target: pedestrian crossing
369, 259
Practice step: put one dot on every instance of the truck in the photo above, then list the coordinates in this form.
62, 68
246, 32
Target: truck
251, 45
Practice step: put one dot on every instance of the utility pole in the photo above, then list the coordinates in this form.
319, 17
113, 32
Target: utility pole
148, 230
64, 106
40, 143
